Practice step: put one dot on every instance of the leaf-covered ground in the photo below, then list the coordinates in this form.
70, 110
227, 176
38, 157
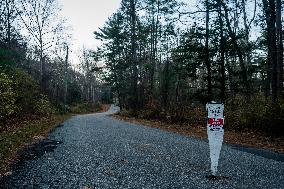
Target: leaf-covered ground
21, 133
98, 151
247, 138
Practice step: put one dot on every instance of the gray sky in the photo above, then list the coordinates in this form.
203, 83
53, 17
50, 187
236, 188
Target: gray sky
85, 17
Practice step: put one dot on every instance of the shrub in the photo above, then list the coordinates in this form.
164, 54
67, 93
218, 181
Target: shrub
241, 113
43, 106
149, 113
257, 113
27, 90
85, 107
20, 95
7, 97
60, 108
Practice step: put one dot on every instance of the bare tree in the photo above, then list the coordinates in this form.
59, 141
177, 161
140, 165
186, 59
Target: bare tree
8, 16
207, 54
133, 22
40, 19
239, 52
87, 66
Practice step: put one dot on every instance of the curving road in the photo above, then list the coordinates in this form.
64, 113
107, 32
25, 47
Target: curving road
97, 151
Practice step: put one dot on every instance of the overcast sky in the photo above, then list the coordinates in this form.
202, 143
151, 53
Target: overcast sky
85, 17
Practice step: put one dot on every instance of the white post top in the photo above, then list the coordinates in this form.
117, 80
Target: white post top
215, 110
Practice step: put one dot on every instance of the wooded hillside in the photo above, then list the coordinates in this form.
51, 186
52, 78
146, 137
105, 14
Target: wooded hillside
36, 77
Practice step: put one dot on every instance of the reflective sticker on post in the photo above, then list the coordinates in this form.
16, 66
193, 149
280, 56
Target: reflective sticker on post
216, 121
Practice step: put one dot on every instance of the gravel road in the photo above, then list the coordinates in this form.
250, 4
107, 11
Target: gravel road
98, 151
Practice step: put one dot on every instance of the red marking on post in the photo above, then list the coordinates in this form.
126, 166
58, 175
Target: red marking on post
215, 122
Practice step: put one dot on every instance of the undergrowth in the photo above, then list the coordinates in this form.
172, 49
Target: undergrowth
23, 134
241, 114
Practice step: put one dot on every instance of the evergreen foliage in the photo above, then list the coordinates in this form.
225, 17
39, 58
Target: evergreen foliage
187, 56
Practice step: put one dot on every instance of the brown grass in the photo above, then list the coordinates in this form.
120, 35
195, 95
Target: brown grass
247, 138
105, 107
26, 132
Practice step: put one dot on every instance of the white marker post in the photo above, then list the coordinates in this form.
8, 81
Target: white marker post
215, 132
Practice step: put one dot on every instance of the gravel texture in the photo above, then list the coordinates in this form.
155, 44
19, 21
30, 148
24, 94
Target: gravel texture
97, 151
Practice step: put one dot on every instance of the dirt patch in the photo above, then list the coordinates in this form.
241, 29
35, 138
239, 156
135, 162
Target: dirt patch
246, 138
105, 107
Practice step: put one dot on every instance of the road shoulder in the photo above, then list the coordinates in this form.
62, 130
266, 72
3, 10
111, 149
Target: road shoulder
27, 133
238, 138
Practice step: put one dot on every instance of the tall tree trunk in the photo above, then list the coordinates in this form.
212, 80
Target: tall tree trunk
207, 55
236, 15
270, 15
239, 52
133, 56
230, 73
41, 62
247, 54
65, 78
279, 41
155, 26
152, 55
165, 82
8, 19
222, 55
273, 47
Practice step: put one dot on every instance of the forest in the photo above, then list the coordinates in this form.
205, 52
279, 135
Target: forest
166, 59
159, 59
36, 76
157, 65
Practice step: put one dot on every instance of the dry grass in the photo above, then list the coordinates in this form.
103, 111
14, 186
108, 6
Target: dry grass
27, 132
247, 138
22, 132
105, 107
